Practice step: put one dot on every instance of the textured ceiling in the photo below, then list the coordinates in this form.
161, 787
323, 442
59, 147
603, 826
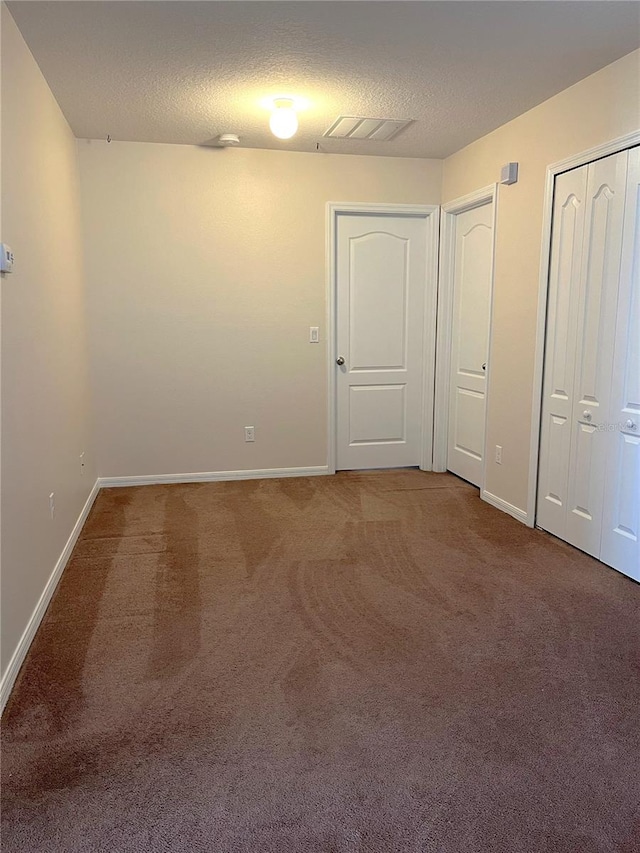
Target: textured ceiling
185, 72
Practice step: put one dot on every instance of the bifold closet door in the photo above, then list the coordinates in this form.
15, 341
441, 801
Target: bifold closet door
621, 518
600, 274
588, 219
560, 350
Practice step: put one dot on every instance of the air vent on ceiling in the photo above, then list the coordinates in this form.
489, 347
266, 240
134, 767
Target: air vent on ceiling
357, 127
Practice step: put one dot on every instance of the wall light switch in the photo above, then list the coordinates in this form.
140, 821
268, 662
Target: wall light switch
314, 334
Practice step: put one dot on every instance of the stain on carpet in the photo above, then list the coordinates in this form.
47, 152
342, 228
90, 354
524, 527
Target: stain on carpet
371, 662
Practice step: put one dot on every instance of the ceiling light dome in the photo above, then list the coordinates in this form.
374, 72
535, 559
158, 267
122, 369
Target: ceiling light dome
284, 119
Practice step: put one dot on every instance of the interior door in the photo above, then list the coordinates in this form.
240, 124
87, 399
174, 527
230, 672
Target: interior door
381, 267
472, 283
621, 517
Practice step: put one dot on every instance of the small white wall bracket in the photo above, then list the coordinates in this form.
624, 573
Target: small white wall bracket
6, 258
509, 174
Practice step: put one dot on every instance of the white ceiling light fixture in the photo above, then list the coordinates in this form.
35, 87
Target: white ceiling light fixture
284, 118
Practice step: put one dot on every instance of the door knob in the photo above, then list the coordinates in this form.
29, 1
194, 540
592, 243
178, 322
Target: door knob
630, 424
340, 360
587, 415
484, 366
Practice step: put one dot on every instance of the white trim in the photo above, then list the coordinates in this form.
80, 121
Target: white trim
429, 341
330, 233
210, 476
443, 343
468, 202
17, 659
486, 195
621, 143
422, 211
596, 153
505, 506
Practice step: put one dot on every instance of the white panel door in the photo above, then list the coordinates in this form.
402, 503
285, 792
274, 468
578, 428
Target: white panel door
621, 517
600, 273
559, 365
381, 268
473, 268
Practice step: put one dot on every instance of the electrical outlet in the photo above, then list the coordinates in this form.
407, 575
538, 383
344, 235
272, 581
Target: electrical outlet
499, 454
82, 462
249, 433
52, 504
314, 334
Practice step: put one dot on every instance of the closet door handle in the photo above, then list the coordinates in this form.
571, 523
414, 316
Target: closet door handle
630, 424
587, 415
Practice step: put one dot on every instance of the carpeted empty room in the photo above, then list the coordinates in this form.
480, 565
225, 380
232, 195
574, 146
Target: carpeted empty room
320, 426
368, 662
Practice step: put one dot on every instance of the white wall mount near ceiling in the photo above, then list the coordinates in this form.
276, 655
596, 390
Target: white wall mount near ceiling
226, 140
509, 174
6, 258
359, 127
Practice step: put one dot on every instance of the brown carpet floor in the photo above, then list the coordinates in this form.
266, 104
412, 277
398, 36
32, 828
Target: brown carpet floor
368, 662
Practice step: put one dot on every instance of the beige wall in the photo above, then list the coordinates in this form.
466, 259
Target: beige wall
45, 403
206, 268
600, 108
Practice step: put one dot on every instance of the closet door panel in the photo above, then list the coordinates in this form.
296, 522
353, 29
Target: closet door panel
600, 271
621, 515
562, 317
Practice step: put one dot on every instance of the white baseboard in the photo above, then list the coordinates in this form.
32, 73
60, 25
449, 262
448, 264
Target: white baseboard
210, 476
505, 506
13, 668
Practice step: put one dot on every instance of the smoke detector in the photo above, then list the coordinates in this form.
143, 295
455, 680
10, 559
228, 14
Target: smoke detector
359, 127
225, 140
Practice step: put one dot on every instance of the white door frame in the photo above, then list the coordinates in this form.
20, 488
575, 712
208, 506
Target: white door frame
487, 195
427, 212
596, 153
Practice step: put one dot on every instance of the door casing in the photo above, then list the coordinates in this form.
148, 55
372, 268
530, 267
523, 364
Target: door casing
449, 212
596, 153
429, 213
